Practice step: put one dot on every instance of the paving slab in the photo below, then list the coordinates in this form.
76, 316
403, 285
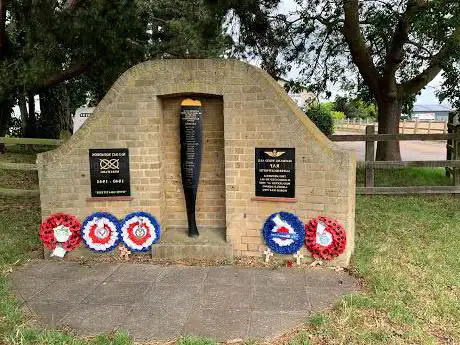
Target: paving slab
164, 302
263, 322
91, 319
137, 273
113, 292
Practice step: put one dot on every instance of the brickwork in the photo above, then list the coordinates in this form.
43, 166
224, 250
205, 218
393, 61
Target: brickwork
138, 112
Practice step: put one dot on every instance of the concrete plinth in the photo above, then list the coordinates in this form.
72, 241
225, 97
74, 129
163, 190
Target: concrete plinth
175, 244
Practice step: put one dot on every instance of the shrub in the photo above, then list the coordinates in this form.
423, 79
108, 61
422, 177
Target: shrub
337, 115
322, 119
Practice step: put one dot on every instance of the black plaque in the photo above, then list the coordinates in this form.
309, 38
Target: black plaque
191, 139
275, 172
109, 172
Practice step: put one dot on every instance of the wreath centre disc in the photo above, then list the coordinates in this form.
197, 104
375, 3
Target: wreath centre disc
140, 231
100, 232
62, 233
323, 237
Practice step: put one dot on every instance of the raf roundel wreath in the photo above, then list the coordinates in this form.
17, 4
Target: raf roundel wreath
325, 238
283, 233
101, 232
139, 231
60, 228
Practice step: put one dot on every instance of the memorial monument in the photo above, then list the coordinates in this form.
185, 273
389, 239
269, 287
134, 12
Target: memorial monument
208, 147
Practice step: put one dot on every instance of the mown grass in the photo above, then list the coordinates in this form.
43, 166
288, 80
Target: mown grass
406, 256
16, 179
406, 177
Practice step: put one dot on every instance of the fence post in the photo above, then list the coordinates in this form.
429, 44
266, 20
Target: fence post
445, 127
403, 126
370, 157
456, 155
429, 126
416, 126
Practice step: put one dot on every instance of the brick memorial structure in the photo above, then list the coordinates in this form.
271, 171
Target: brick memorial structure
260, 155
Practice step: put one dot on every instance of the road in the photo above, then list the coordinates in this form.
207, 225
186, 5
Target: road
410, 150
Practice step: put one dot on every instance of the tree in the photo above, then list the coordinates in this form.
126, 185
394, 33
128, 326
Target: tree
322, 118
395, 46
70, 52
46, 43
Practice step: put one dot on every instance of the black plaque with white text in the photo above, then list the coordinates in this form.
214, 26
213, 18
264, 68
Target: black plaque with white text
109, 172
275, 172
191, 139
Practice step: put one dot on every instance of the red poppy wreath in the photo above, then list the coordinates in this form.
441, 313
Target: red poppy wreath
60, 229
325, 238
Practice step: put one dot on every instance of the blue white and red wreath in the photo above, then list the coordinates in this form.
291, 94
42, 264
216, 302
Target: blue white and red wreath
284, 233
101, 232
139, 231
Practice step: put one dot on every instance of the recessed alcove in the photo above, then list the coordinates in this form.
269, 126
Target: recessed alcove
210, 205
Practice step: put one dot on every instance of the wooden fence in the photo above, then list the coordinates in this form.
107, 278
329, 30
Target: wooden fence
452, 162
24, 166
405, 126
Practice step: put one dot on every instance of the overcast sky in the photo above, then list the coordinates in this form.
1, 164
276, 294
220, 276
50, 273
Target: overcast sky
428, 94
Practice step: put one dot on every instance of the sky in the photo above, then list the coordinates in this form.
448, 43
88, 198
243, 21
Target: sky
428, 94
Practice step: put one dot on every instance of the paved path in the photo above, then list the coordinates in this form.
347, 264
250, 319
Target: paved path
160, 303
410, 150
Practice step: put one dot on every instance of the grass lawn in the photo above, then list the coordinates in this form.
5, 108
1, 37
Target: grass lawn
406, 177
406, 255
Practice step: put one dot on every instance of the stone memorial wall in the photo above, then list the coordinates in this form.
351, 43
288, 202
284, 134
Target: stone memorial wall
260, 155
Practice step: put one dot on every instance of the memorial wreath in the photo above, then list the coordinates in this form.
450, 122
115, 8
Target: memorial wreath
325, 238
60, 229
101, 232
140, 231
284, 233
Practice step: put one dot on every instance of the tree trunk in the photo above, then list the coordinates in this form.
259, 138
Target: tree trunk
389, 115
24, 114
55, 115
5, 116
28, 117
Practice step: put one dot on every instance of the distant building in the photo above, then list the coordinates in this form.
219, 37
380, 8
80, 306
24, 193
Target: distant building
439, 112
302, 98
81, 115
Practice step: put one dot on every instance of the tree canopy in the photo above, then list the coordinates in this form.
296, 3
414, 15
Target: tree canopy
389, 48
71, 51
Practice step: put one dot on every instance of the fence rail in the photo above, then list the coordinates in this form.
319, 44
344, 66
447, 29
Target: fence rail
392, 137
405, 126
9, 192
408, 164
18, 166
452, 163
30, 141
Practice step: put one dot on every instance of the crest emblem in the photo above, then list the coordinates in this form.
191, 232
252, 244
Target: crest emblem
274, 153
